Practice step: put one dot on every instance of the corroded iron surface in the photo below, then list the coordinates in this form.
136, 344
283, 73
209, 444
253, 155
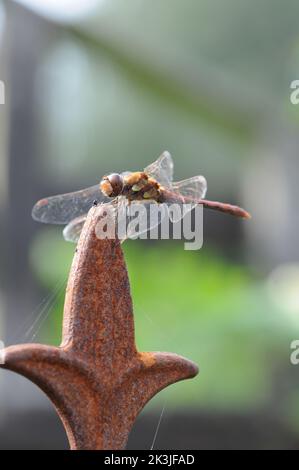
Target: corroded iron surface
97, 379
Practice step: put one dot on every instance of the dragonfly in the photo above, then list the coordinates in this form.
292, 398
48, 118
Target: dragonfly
153, 185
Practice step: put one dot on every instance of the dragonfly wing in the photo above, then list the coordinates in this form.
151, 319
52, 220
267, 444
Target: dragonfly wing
192, 189
72, 231
64, 208
162, 169
137, 218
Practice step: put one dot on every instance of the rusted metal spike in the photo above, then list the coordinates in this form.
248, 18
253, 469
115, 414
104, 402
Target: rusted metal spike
97, 379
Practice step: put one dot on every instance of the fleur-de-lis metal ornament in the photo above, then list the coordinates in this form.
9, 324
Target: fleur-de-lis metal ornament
97, 380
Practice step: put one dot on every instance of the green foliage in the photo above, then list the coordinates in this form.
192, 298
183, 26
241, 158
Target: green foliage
197, 304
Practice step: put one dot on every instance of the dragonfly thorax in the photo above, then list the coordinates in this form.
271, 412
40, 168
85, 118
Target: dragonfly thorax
112, 185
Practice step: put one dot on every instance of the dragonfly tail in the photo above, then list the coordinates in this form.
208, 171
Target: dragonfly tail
227, 208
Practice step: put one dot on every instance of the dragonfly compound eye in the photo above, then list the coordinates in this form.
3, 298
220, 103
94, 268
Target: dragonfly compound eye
112, 185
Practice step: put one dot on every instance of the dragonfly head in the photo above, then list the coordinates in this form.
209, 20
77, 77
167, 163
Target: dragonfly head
112, 185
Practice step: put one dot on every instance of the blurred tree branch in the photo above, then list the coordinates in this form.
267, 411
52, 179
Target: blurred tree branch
204, 93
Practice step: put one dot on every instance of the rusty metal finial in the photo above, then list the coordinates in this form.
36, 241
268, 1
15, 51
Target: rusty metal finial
97, 379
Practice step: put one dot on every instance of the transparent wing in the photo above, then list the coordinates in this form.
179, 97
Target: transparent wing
144, 217
192, 190
64, 208
72, 231
162, 169
137, 218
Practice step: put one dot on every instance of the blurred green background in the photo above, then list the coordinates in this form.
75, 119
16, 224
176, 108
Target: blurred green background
99, 86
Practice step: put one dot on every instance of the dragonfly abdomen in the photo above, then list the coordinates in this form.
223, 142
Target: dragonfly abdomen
171, 197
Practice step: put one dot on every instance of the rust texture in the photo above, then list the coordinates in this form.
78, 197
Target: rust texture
97, 380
